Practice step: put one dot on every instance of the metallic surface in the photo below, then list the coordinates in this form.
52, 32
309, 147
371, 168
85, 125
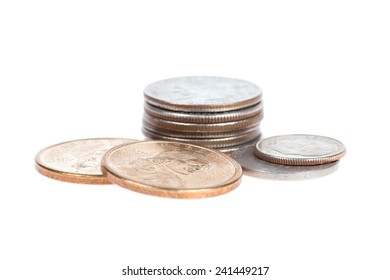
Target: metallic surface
300, 149
211, 127
171, 169
76, 161
202, 94
209, 117
208, 142
197, 135
255, 167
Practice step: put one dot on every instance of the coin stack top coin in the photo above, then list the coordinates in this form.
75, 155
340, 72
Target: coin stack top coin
215, 112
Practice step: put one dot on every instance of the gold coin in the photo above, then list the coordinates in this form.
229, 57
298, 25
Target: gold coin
76, 161
171, 169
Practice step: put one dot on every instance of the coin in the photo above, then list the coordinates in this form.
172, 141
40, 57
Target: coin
76, 161
208, 142
300, 149
209, 117
171, 169
255, 167
210, 127
202, 94
196, 134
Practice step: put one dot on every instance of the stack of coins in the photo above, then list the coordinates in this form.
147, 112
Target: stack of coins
291, 157
213, 112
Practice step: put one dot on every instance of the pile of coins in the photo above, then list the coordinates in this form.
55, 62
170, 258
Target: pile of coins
162, 168
213, 112
188, 118
291, 157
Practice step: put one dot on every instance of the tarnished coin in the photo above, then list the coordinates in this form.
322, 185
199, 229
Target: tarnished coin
201, 127
208, 117
300, 149
208, 142
171, 169
197, 134
76, 161
202, 94
255, 167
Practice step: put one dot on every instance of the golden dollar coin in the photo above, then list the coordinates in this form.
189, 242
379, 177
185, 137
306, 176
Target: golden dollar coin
76, 161
171, 169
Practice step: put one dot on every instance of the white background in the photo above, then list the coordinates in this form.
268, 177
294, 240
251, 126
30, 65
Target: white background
77, 69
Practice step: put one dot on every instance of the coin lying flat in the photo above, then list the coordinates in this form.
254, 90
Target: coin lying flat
208, 117
171, 169
255, 167
202, 94
76, 161
300, 149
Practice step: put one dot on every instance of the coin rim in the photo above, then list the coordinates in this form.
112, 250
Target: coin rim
115, 178
202, 107
210, 127
205, 117
299, 161
213, 143
70, 177
297, 176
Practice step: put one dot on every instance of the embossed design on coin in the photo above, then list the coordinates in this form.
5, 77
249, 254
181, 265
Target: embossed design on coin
202, 94
255, 167
76, 161
171, 169
300, 149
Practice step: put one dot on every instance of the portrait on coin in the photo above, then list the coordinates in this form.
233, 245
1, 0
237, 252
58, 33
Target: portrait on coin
168, 169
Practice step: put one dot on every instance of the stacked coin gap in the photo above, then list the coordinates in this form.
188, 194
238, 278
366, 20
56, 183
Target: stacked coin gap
213, 112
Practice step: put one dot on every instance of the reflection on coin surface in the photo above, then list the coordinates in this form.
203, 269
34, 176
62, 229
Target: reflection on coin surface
300, 149
202, 94
255, 167
171, 169
77, 161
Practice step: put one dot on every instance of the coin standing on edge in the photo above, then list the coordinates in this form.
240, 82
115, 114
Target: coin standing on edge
76, 161
300, 149
202, 94
171, 169
255, 167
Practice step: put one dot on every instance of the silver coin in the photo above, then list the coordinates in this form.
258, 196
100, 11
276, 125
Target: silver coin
201, 127
202, 94
300, 149
196, 134
255, 167
207, 117
214, 143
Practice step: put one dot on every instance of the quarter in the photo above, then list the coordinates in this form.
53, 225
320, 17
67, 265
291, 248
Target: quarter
202, 94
